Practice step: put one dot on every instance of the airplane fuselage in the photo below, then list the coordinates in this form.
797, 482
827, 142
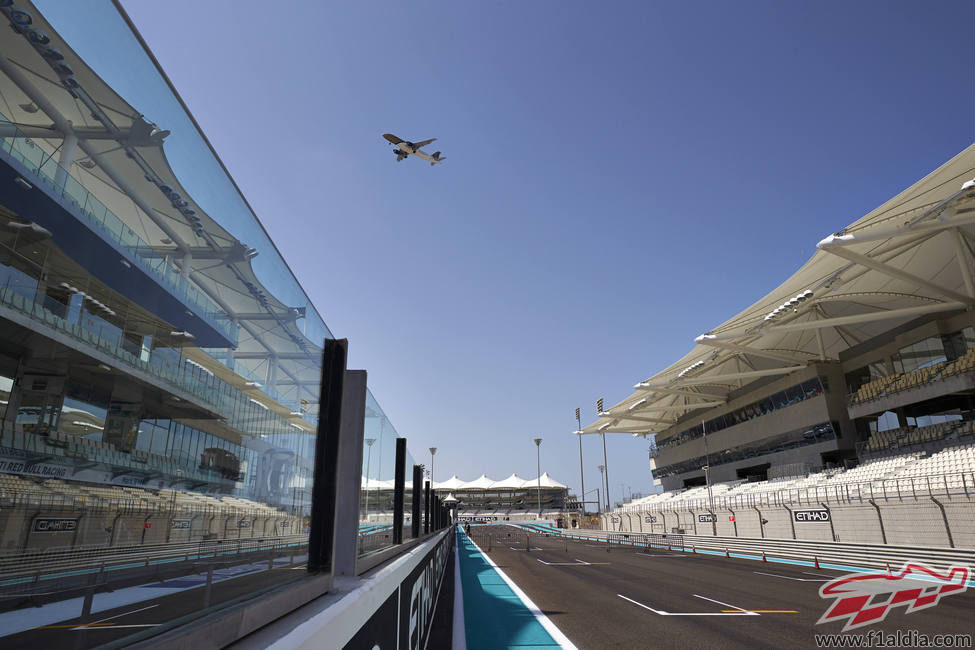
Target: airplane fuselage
404, 148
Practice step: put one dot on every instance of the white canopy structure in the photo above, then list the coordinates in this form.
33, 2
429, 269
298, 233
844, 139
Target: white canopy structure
545, 481
513, 482
482, 482
451, 483
376, 484
910, 257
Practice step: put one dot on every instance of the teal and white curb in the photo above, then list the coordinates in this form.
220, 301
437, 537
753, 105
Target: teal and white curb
497, 613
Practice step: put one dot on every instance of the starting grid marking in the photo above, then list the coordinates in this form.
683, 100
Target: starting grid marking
578, 562
734, 611
776, 575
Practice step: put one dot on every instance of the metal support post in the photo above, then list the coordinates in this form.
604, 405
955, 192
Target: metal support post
398, 487
417, 499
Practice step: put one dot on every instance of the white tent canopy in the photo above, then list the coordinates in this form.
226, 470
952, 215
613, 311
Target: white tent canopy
482, 482
545, 481
451, 483
512, 482
376, 484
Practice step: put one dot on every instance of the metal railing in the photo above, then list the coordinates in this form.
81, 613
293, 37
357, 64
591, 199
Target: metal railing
42, 565
956, 484
914, 379
41, 168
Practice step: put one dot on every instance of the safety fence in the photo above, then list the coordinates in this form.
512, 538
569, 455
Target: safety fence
951, 484
36, 567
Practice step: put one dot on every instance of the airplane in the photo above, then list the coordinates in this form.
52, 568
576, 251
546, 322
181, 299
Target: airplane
412, 149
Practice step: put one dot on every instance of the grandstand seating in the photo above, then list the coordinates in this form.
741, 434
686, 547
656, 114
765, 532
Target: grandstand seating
951, 468
898, 382
15, 489
905, 436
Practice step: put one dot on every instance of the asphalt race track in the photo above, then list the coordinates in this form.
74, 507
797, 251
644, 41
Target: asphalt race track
627, 598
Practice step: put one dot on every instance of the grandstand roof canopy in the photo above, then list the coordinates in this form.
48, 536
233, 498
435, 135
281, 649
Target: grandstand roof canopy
546, 481
513, 481
376, 484
909, 257
451, 483
484, 482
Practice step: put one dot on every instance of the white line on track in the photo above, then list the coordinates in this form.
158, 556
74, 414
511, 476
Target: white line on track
111, 627
776, 575
821, 575
725, 604
124, 614
660, 555
576, 563
663, 613
534, 548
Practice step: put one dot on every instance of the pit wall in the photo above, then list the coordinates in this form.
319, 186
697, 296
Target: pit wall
948, 523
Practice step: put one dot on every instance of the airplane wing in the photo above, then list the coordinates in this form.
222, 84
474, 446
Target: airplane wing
400, 157
392, 138
417, 145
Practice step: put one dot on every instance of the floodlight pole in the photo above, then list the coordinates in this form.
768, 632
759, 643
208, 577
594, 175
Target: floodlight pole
582, 474
538, 467
606, 464
369, 442
433, 450
602, 469
707, 477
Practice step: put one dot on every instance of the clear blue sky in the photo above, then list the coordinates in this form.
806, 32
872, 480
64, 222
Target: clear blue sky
620, 178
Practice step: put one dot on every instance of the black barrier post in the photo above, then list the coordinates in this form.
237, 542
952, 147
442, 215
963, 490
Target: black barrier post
426, 507
417, 498
324, 487
399, 486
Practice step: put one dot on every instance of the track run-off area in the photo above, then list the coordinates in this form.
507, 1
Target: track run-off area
601, 595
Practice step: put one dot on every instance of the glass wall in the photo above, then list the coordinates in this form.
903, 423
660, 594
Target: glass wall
120, 437
754, 450
378, 482
920, 355
780, 400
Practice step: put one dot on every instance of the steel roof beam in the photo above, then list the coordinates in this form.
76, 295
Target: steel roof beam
668, 390
831, 246
712, 341
735, 376
619, 416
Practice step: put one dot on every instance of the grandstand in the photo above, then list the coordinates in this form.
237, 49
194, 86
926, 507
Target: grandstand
850, 388
513, 498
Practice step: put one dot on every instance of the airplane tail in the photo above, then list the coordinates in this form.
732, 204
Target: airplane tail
437, 158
